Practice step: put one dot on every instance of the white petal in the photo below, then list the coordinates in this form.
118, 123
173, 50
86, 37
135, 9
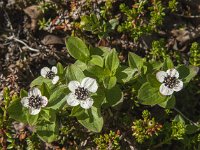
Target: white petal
71, 100
44, 71
54, 69
73, 85
173, 73
90, 84
178, 86
25, 101
55, 79
161, 76
34, 111
86, 104
164, 90
30, 93
34, 91
44, 101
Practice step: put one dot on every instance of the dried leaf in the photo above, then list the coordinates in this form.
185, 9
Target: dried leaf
52, 40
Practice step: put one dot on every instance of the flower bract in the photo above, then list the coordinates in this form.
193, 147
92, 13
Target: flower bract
50, 74
34, 101
80, 92
170, 81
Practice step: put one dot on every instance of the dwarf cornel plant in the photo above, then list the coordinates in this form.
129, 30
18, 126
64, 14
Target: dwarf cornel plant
94, 83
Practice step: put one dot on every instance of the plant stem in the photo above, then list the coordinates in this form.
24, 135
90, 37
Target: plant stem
185, 116
22, 42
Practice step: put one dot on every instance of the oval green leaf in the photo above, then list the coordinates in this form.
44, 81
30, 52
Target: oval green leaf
77, 49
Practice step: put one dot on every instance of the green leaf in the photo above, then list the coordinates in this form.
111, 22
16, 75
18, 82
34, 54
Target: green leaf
168, 104
48, 132
112, 61
156, 65
151, 78
85, 23
48, 115
191, 129
16, 111
97, 60
94, 121
144, 69
10, 146
179, 118
57, 98
149, 95
168, 64
23, 93
74, 73
101, 51
60, 68
187, 73
40, 80
79, 112
135, 61
77, 49
32, 119
90, 23
114, 96
109, 82
113, 23
104, 50
81, 65
45, 90
97, 71
183, 71
193, 71
125, 74
99, 97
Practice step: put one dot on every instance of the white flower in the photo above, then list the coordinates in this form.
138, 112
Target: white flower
170, 81
80, 92
34, 101
50, 74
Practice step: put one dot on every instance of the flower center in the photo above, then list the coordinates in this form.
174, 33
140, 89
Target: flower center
35, 102
50, 75
170, 82
81, 93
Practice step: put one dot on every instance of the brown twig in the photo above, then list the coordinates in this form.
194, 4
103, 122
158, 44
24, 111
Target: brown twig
22, 42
